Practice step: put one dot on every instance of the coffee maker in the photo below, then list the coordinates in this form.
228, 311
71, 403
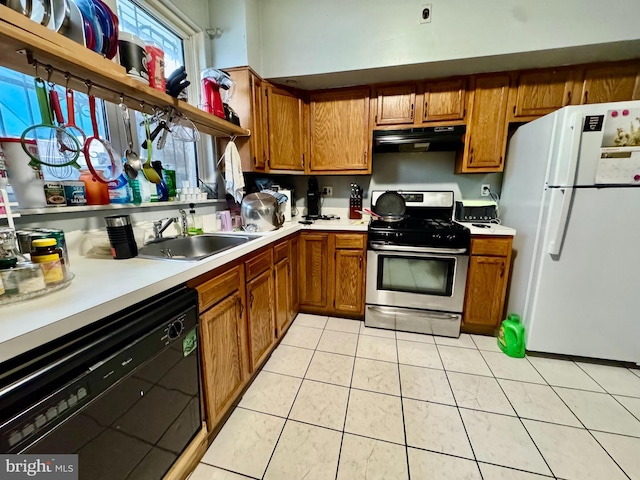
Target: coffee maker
313, 199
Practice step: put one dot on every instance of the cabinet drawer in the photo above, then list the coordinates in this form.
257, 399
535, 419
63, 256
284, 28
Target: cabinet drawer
281, 251
350, 240
494, 247
257, 265
214, 290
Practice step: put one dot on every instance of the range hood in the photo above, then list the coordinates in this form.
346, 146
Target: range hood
427, 139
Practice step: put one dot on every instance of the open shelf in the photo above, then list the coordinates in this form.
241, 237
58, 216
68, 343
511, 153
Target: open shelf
53, 210
22, 40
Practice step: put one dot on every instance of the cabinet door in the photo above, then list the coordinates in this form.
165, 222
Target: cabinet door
259, 136
611, 83
314, 268
542, 92
260, 313
284, 120
223, 355
485, 138
396, 105
444, 100
485, 291
340, 130
282, 288
349, 281
294, 306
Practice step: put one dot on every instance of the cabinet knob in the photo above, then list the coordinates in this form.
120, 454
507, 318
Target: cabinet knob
426, 109
586, 96
502, 269
568, 98
360, 262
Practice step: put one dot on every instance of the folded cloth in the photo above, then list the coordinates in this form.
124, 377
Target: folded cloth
234, 180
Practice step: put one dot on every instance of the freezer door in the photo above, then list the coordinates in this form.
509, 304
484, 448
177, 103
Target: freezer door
584, 301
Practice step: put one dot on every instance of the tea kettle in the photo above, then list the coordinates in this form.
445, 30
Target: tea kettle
261, 213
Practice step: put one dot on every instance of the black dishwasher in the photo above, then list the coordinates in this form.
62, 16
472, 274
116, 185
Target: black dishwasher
122, 393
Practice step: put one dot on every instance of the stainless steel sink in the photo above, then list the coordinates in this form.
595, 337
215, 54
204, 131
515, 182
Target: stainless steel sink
192, 248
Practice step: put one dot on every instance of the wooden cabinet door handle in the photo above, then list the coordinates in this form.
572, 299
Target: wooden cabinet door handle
502, 265
586, 96
426, 108
251, 298
412, 108
568, 98
360, 262
364, 157
241, 306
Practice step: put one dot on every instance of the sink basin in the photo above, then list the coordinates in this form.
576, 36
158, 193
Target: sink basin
192, 248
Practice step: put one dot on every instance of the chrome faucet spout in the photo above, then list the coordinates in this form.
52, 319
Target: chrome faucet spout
159, 227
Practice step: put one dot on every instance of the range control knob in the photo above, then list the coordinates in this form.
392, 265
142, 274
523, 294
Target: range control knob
175, 329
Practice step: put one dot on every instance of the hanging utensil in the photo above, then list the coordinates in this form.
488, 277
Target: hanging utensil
71, 125
148, 171
163, 138
184, 130
133, 162
95, 147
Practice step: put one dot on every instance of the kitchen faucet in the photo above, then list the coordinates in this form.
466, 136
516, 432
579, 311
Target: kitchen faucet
184, 224
159, 227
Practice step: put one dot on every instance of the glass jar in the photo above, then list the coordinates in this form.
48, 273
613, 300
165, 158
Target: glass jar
49, 256
9, 275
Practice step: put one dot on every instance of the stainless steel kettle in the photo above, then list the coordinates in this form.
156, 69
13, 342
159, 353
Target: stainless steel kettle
261, 213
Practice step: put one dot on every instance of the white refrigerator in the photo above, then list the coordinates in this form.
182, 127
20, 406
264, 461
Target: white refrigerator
571, 189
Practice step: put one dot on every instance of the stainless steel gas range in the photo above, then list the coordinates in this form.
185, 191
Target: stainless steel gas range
417, 267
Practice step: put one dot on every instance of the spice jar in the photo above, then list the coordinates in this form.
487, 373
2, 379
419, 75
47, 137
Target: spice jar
49, 256
9, 275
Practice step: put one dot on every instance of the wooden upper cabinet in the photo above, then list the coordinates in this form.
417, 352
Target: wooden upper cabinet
259, 135
285, 127
396, 104
485, 140
444, 100
314, 269
260, 314
340, 135
542, 92
611, 83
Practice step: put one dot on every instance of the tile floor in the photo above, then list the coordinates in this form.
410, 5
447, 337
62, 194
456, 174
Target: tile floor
340, 401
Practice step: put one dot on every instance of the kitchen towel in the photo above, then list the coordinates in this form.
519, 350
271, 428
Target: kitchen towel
234, 180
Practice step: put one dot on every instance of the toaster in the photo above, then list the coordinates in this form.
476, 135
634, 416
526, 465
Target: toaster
482, 211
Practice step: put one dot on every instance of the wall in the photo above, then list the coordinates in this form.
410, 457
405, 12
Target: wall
309, 38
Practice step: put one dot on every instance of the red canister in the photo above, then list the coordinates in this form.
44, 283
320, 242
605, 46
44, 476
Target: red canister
156, 67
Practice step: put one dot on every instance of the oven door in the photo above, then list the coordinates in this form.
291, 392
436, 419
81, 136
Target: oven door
417, 277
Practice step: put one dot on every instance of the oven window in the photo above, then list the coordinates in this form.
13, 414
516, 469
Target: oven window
426, 276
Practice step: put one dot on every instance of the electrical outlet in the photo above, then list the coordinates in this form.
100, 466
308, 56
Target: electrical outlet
426, 11
485, 189
327, 191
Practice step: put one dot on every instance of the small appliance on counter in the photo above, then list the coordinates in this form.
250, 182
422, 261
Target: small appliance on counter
286, 206
482, 211
313, 199
215, 101
261, 212
355, 202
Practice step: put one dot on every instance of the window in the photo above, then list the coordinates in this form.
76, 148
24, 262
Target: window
19, 108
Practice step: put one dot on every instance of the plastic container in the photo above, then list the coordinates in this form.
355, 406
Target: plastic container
97, 193
156, 67
194, 222
511, 336
27, 181
119, 190
49, 256
133, 56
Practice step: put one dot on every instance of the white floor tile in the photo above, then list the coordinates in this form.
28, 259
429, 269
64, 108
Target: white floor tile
479, 393
630, 403
307, 320
493, 472
376, 376
343, 325
434, 466
321, 404
509, 368
635, 371
304, 337
615, 380
538, 402
435, 427
207, 472
463, 360
367, 459
484, 342
572, 453
563, 373
377, 348
271, 393
376, 332
331, 368
624, 451
289, 361
463, 341
502, 440
415, 337
245, 443
305, 451
338, 342
375, 415
418, 354
600, 411
425, 384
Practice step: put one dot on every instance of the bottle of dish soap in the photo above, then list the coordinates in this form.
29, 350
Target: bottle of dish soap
194, 222
511, 336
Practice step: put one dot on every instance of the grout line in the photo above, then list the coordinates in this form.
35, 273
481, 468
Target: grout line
404, 424
225, 469
517, 469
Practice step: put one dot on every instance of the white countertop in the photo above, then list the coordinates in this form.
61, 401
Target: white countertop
103, 286
493, 229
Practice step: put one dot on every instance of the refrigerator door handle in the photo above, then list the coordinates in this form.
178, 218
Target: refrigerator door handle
555, 244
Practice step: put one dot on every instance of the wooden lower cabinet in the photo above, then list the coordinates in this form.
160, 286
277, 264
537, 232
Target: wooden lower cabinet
314, 270
294, 304
349, 282
283, 297
487, 281
224, 356
260, 318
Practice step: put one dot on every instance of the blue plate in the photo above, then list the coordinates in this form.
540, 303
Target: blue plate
106, 24
89, 14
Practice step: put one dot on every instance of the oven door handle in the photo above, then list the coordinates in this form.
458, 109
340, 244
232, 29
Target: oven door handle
405, 248
411, 312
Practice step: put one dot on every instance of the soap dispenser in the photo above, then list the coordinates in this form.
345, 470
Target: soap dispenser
194, 222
